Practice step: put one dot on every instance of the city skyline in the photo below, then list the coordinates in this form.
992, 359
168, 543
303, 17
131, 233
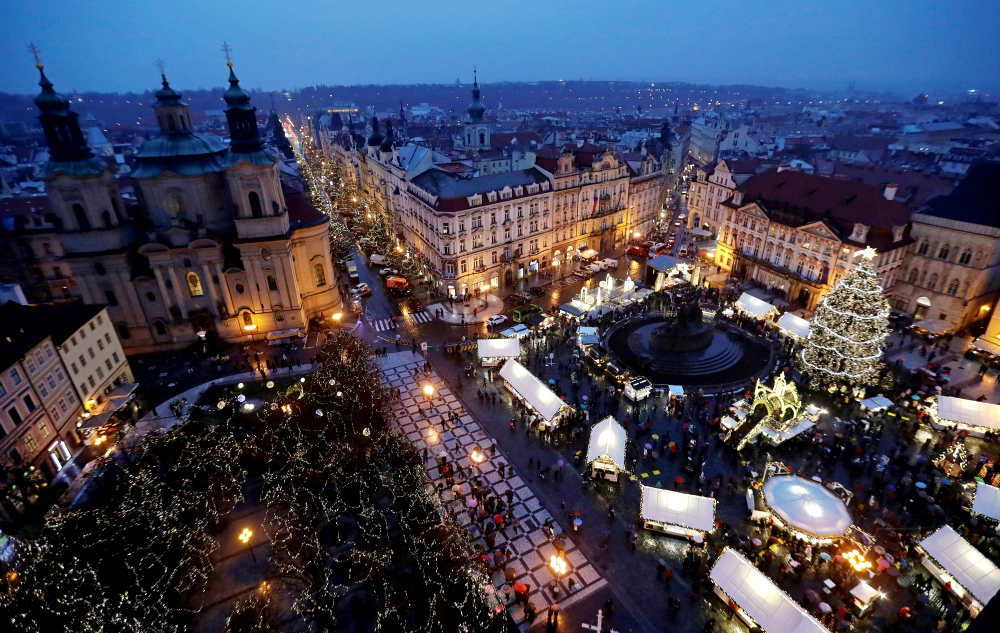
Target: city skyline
887, 50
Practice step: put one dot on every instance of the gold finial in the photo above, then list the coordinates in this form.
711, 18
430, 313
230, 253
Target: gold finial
226, 50
34, 50
868, 253
159, 64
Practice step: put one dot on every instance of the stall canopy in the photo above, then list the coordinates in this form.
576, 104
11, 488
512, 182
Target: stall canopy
757, 307
588, 336
969, 412
677, 508
772, 609
517, 331
700, 232
877, 403
607, 439
932, 325
864, 592
987, 346
662, 263
807, 506
794, 325
533, 390
675, 390
964, 562
570, 309
588, 254
499, 348
987, 502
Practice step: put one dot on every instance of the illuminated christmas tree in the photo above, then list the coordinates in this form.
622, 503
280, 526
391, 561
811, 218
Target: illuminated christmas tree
849, 330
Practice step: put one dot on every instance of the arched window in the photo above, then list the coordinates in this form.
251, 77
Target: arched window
106, 219
99, 269
482, 139
272, 283
123, 331
175, 312
160, 327
255, 208
319, 274
932, 282
173, 204
913, 276
943, 253
953, 287
247, 319
194, 284
112, 299
275, 209
966, 257
171, 125
923, 248
46, 248
82, 222
150, 297
116, 208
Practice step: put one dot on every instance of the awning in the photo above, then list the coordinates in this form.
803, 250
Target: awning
121, 395
965, 563
588, 336
700, 232
662, 263
794, 325
864, 592
987, 501
540, 397
676, 390
935, 326
877, 403
987, 346
97, 421
499, 348
517, 331
570, 310
607, 439
588, 254
278, 335
984, 414
807, 506
534, 320
767, 605
757, 307
677, 508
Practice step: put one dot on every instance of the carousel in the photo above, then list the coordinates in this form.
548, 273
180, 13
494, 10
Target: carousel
807, 507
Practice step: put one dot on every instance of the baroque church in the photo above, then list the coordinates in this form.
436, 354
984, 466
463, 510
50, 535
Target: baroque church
216, 244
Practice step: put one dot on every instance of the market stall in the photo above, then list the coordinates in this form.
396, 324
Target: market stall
862, 597
676, 513
494, 351
987, 501
878, 403
532, 391
961, 568
757, 600
807, 507
517, 331
755, 307
676, 391
638, 388
794, 325
965, 415
606, 450
586, 336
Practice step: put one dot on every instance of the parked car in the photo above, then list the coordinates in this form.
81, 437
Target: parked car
388, 272
597, 355
361, 290
518, 299
536, 291
496, 319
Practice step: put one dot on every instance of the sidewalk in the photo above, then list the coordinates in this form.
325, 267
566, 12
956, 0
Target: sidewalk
462, 313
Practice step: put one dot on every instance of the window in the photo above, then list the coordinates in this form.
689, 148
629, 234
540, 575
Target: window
255, 208
194, 284
52, 381
160, 327
272, 283
100, 344
15, 415
29, 443
150, 297
913, 276
82, 222
923, 248
239, 288
100, 373
70, 397
31, 366
90, 350
107, 337
319, 274
90, 379
74, 368
43, 390
62, 405
965, 258
123, 332
943, 253
114, 357
463, 266
265, 254
953, 287
29, 402
43, 429
279, 314
932, 283
247, 319
107, 362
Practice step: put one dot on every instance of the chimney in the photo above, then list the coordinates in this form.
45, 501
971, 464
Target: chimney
890, 192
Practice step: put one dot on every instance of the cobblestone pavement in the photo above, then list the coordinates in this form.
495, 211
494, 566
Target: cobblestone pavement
430, 429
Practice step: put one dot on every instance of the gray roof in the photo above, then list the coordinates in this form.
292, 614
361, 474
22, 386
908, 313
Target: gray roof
264, 158
185, 154
89, 167
447, 185
975, 200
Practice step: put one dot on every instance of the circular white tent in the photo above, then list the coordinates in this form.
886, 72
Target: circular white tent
807, 506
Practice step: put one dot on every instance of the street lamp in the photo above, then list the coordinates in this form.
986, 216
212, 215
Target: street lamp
558, 565
245, 537
429, 391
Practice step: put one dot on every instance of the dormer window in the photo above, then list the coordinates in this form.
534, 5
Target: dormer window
897, 233
860, 232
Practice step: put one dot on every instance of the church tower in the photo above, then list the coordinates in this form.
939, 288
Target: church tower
477, 129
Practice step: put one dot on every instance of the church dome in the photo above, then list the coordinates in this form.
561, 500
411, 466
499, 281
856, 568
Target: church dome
48, 100
167, 96
476, 109
235, 96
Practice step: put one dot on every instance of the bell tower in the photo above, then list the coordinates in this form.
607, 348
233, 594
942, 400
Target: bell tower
476, 135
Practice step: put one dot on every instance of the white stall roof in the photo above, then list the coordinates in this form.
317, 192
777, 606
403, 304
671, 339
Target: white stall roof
969, 412
794, 325
677, 508
675, 390
588, 254
588, 335
757, 307
969, 567
540, 397
864, 592
987, 346
607, 439
877, 403
987, 502
499, 347
807, 505
772, 609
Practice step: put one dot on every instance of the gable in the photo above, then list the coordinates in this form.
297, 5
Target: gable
820, 229
753, 210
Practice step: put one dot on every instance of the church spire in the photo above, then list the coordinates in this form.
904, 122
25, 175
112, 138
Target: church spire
241, 116
59, 123
476, 108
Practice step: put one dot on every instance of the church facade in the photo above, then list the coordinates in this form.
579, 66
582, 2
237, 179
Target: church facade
215, 245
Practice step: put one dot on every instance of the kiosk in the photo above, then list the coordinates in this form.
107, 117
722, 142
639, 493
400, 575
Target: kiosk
494, 351
638, 388
965, 415
987, 501
972, 578
807, 507
606, 450
533, 392
794, 325
676, 513
754, 306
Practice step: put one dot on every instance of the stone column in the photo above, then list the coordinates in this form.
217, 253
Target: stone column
178, 292
167, 300
289, 282
211, 288
225, 290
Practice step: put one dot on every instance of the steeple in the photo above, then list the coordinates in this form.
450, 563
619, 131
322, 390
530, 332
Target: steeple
389, 139
60, 124
172, 113
375, 139
243, 134
476, 109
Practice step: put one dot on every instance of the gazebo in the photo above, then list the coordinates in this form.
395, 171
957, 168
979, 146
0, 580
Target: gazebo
807, 507
606, 450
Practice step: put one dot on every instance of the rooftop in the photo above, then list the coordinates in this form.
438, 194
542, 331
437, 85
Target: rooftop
24, 327
448, 186
976, 199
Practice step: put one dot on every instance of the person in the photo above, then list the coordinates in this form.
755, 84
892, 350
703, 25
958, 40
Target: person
609, 608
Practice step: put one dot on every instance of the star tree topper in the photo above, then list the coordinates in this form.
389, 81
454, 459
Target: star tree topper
868, 253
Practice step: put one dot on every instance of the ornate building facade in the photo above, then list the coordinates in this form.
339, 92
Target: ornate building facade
216, 244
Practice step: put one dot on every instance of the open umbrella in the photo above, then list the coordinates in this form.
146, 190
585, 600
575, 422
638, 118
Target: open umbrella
823, 555
698, 539
812, 596
655, 436
883, 564
498, 519
923, 599
520, 587
825, 608
472, 502
560, 463
585, 398
879, 550
892, 571
774, 541
578, 522
679, 480
552, 381
756, 542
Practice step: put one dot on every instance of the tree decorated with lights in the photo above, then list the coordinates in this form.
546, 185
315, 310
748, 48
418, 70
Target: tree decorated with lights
848, 332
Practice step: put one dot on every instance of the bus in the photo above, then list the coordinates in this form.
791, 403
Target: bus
520, 314
657, 249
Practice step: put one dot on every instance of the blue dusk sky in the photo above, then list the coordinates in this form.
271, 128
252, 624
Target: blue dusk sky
905, 46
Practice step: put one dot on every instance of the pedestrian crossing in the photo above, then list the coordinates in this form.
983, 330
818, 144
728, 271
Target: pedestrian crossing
382, 325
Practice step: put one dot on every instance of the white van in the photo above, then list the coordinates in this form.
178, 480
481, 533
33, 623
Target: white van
683, 252
595, 268
377, 259
611, 263
352, 271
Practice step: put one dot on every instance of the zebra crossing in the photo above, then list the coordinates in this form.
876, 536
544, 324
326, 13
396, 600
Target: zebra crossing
382, 325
